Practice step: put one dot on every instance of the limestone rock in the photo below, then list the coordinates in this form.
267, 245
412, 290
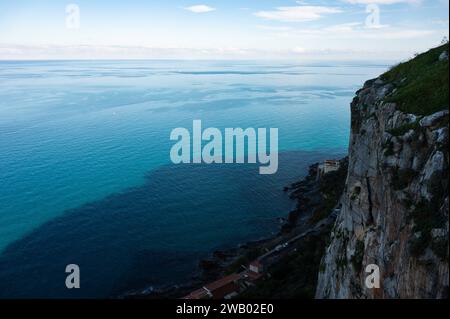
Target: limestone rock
433, 119
383, 190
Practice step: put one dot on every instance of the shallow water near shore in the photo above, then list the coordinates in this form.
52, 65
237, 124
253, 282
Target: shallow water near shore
86, 175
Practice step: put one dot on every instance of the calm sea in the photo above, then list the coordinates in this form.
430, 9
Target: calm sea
85, 172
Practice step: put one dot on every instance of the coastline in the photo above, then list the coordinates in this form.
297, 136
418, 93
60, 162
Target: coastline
310, 216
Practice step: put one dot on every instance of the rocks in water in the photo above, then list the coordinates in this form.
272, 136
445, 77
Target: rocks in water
208, 265
222, 255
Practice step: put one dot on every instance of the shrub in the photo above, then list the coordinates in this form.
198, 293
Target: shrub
236, 266
422, 83
402, 130
418, 245
341, 262
331, 186
358, 256
295, 275
426, 216
401, 178
440, 248
438, 184
389, 149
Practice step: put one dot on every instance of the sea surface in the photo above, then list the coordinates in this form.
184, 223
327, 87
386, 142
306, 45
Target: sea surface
86, 177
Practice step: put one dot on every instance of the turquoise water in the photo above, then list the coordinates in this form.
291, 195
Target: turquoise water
85, 173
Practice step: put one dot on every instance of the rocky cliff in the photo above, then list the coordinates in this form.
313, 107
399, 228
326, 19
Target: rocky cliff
395, 203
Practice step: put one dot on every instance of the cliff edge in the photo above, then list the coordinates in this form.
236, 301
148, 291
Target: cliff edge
395, 202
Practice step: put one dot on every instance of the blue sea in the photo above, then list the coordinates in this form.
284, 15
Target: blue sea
86, 176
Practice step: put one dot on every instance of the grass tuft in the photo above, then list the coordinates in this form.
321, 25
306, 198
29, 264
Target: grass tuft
422, 83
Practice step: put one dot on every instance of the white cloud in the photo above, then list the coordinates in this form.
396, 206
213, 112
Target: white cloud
297, 13
345, 27
299, 50
358, 31
440, 21
352, 27
200, 8
273, 28
326, 52
382, 1
397, 34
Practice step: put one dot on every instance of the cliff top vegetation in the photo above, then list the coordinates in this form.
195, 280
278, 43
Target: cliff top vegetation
421, 83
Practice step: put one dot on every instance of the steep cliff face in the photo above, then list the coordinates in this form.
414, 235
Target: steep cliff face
395, 203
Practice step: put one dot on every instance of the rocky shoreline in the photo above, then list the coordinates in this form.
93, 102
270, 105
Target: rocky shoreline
310, 203
385, 206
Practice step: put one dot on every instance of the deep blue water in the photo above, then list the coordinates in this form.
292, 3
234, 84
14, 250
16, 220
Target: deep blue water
85, 173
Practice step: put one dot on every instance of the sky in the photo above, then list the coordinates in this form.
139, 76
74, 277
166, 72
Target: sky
227, 29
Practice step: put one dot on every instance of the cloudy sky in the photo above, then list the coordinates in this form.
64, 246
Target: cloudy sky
227, 29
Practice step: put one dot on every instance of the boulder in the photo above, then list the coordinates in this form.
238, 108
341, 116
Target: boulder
433, 119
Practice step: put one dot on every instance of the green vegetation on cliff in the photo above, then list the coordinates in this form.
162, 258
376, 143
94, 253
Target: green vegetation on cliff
422, 83
331, 186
